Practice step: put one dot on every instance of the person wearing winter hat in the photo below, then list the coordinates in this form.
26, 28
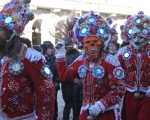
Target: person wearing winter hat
38, 48
135, 60
100, 73
24, 74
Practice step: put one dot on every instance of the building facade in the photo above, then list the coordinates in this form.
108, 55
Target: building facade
49, 12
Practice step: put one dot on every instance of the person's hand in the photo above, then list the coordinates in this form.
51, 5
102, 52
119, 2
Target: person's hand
95, 109
60, 49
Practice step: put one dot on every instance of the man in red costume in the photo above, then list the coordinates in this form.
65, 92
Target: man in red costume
135, 60
100, 73
24, 76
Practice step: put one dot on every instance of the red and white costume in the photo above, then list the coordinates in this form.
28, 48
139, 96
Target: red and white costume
21, 80
101, 82
136, 64
134, 59
25, 76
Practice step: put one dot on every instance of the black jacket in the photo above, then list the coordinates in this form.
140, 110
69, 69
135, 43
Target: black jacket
71, 55
51, 61
72, 93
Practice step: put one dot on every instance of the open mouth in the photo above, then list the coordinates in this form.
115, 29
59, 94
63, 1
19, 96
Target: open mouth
137, 43
92, 50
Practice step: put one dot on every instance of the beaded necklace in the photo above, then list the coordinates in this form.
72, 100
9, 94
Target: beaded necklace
92, 70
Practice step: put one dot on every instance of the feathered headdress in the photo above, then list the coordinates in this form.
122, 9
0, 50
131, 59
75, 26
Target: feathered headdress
64, 29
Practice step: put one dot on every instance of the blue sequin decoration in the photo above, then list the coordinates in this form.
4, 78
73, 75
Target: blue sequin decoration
83, 31
16, 67
144, 32
91, 20
130, 31
138, 21
102, 32
118, 73
126, 55
46, 72
98, 72
148, 54
82, 71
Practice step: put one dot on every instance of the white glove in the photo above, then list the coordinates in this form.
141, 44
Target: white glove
148, 93
95, 109
60, 49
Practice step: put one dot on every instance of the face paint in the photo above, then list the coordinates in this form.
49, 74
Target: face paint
92, 46
138, 42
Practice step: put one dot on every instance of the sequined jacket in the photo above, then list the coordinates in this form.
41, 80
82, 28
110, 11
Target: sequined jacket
136, 64
21, 81
102, 79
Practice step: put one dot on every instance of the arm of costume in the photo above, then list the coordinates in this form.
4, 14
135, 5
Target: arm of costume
67, 73
44, 88
116, 86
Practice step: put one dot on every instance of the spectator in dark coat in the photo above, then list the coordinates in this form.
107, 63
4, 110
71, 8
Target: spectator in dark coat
72, 90
48, 52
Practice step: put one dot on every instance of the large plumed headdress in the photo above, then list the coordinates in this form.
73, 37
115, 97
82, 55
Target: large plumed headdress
92, 24
15, 15
64, 30
136, 24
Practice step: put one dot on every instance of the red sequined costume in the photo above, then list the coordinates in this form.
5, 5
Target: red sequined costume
20, 81
102, 82
136, 64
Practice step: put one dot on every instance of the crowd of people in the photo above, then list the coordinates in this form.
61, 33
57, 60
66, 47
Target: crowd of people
99, 78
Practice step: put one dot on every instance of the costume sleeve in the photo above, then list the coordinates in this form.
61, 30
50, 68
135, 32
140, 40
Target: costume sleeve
41, 76
121, 61
116, 88
66, 73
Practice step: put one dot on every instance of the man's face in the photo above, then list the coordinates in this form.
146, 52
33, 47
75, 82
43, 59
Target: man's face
2, 37
138, 42
92, 46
